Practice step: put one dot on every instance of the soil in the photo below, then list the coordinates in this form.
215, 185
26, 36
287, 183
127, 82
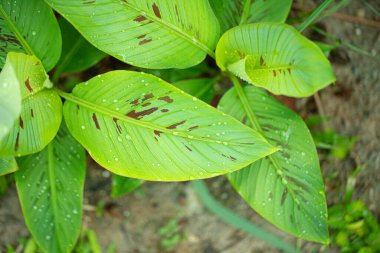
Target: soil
133, 221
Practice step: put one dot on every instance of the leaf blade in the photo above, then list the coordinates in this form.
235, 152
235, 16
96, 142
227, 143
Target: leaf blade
7, 166
124, 185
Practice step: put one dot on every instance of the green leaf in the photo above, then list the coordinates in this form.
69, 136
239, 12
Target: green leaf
150, 34
286, 187
138, 126
41, 110
202, 88
232, 13
276, 57
124, 185
10, 98
77, 53
7, 165
29, 27
50, 187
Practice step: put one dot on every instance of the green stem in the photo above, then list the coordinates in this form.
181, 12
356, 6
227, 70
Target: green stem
245, 14
314, 15
235, 220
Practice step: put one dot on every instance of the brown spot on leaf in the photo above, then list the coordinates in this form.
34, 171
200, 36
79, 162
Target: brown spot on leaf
164, 110
145, 41
21, 122
167, 99
174, 126
192, 128
188, 148
27, 84
135, 102
156, 10
261, 60
139, 18
158, 133
290, 71
146, 97
17, 141
117, 125
32, 113
139, 115
146, 104
244, 120
284, 194
89, 1
95, 119
274, 73
141, 36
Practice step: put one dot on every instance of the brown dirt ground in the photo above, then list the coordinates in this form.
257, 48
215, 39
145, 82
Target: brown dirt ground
133, 221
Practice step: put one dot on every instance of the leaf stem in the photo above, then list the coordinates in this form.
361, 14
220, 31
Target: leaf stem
314, 15
245, 14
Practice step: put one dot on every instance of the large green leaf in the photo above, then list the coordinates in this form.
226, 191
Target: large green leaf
152, 34
286, 187
124, 185
10, 99
138, 126
29, 26
7, 165
41, 110
232, 13
50, 187
202, 88
77, 53
276, 57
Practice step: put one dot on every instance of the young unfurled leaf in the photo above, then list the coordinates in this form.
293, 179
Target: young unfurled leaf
50, 188
124, 185
202, 88
150, 34
138, 126
29, 26
286, 187
7, 165
232, 13
77, 53
41, 110
276, 57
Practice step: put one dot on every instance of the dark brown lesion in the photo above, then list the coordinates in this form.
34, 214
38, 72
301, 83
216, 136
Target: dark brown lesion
166, 99
88, 1
192, 128
140, 18
17, 141
118, 127
164, 110
144, 41
31, 113
21, 122
261, 61
27, 84
139, 115
284, 195
95, 119
174, 126
141, 36
188, 148
157, 132
156, 10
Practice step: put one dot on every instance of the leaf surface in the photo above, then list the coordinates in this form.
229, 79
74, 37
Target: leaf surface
29, 27
275, 57
150, 34
138, 126
50, 187
7, 165
231, 13
41, 110
286, 187
124, 185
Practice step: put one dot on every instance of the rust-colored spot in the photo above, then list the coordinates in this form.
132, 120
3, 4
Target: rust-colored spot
284, 194
274, 73
290, 71
135, 102
164, 110
139, 115
27, 84
192, 128
139, 18
174, 126
95, 119
141, 36
117, 125
188, 148
146, 104
158, 133
261, 60
32, 113
146, 97
21, 122
142, 42
156, 10
166, 99
17, 141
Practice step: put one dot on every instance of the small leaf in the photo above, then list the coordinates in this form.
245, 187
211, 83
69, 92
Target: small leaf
202, 88
150, 34
231, 12
138, 126
124, 185
50, 187
77, 53
286, 187
7, 166
276, 57
29, 27
41, 110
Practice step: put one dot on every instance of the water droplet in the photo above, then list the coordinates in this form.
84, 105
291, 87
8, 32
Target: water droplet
119, 139
83, 127
127, 136
5, 85
48, 237
303, 153
195, 99
190, 136
34, 33
116, 159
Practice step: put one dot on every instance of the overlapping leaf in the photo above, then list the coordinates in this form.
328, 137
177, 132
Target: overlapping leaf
29, 27
286, 187
124, 185
276, 57
151, 34
232, 13
139, 126
41, 110
50, 187
202, 88
7, 165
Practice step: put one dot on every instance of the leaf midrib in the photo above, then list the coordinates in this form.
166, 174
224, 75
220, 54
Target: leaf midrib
171, 27
112, 114
15, 31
